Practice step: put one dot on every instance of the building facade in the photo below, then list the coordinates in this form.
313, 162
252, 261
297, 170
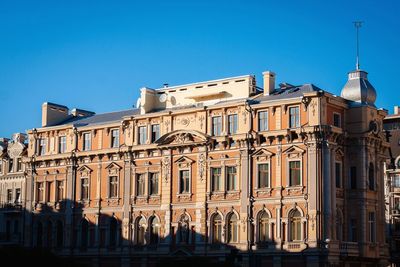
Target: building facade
12, 189
392, 186
274, 175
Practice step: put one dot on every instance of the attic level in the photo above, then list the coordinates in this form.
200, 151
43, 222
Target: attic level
53, 114
195, 94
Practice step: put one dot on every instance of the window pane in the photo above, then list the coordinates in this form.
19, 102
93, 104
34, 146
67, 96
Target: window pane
115, 138
184, 181
142, 135
263, 175
217, 125
232, 120
263, 120
232, 177
216, 179
294, 120
87, 142
153, 183
155, 132
294, 173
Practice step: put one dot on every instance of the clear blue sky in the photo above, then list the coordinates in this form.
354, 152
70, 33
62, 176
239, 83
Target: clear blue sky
96, 55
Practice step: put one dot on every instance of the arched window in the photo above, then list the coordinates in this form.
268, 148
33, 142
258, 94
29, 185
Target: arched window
154, 230
217, 228
371, 176
263, 227
183, 229
113, 232
39, 237
233, 232
295, 226
339, 226
84, 233
49, 232
140, 231
60, 234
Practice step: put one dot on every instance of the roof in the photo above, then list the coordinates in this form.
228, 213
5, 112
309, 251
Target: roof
99, 118
291, 92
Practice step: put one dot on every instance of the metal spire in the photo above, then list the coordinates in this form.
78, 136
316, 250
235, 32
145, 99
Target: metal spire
357, 24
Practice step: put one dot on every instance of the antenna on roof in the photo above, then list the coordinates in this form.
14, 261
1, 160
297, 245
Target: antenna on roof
358, 25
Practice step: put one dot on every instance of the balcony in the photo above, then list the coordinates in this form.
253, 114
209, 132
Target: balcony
295, 246
349, 249
11, 206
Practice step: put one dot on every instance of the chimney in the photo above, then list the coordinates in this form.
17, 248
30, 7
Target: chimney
53, 114
269, 82
396, 110
76, 112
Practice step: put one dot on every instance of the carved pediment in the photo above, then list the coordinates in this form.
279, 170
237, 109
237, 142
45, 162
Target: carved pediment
113, 168
84, 171
182, 137
294, 151
263, 154
184, 162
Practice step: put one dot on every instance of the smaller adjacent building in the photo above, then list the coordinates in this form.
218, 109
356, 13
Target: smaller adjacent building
12, 188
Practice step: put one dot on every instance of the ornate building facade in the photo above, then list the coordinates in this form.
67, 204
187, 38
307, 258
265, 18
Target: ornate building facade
12, 189
392, 186
274, 175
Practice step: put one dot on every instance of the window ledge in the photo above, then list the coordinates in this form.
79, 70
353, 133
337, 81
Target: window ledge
295, 189
263, 192
184, 196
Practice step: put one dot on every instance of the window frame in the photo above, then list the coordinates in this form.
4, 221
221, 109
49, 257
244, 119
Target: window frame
142, 135
115, 139
233, 125
298, 120
258, 174
180, 171
220, 187
41, 146
87, 143
228, 178
265, 120
339, 116
62, 144
217, 126
111, 185
300, 171
83, 185
151, 185
137, 184
155, 135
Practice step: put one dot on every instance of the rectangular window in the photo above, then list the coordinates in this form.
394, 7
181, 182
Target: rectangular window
113, 186
216, 183
49, 189
9, 196
216, 126
87, 142
18, 195
42, 146
184, 179
62, 144
233, 123
154, 183
338, 174
232, 178
155, 132
140, 184
84, 188
19, 164
353, 177
371, 223
353, 230
40, 191
263, 120
142, 135
115, 138
336, 120
60, 190
263, 175
294, 173
395, 183
10, 165
294, 117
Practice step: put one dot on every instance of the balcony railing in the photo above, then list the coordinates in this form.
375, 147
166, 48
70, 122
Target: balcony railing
9, 206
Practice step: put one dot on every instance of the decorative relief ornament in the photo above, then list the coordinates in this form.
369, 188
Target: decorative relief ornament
202, 166
165, 168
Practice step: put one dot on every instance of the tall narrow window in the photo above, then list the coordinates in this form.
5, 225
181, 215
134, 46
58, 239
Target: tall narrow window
233, 228
155, 132
216, 125
372, 227
40, 191
154, 230
62, 144
49, 190
154, 183
9, 196
263, 175
371, 177
263, 227
263, 120
10, 165
233, 123
294, 117
84, 188
18, 195
216, 183
60, 190
336, 120
295, 226
140, 184
19, 165
294, 173
232, 178
184, 180
353, 230
41, 146
353, 177
142, 135
140, 231
87, 141
115, 138
217, 229
338, 174
113, 186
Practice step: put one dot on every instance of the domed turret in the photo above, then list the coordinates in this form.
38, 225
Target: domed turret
359, 89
